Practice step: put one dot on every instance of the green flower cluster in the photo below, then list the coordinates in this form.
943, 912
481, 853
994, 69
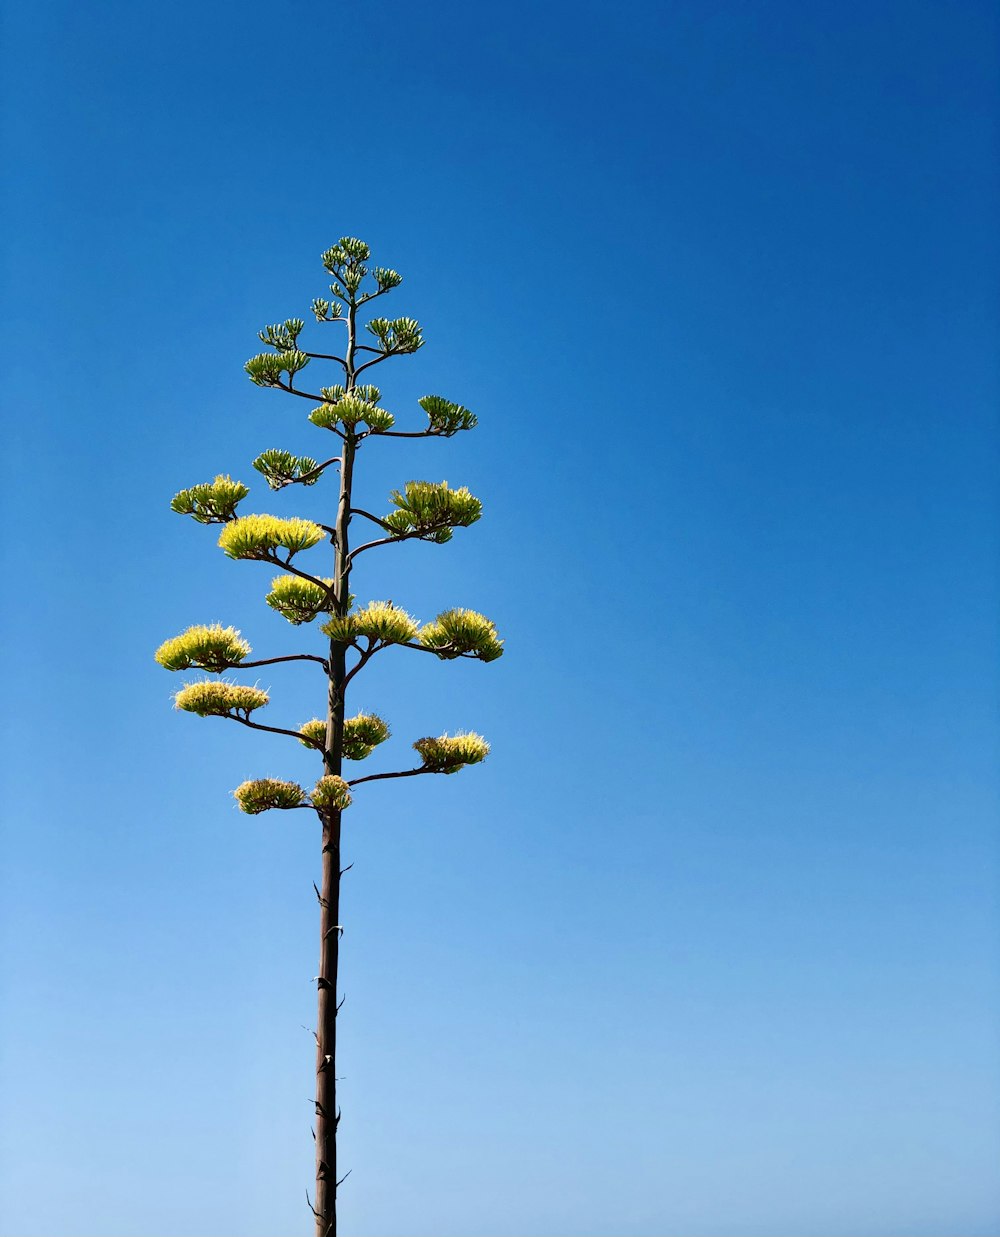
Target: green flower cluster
212, 503
445, 417
284, 336
296, 599
351, 408
266, 368
325, 311
430, 510
396, 335
345, 261
281, 468
462, 633
348, 251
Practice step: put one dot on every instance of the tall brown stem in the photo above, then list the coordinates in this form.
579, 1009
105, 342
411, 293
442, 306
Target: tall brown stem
327, 1113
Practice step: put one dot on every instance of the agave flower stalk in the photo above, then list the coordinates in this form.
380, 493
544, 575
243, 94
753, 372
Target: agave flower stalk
427, 511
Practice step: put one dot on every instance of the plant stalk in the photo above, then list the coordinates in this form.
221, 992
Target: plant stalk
327, 1113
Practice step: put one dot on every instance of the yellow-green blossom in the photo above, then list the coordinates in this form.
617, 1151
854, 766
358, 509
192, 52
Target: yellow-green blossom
331, 792
449, 753
212, 503
445, 417
298, 600
379, 621
258, 536
217, 698
462, 633
430, 509
362, 734
214, 648
268, 792
313, 732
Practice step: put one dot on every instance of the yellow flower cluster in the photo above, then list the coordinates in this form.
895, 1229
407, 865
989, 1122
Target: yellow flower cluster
449, 753
458, 633
379, 621
296, 599
268, 792
331, 792
314, 730
431, 509
258, 536
217, 698
211, 503
362, 734
350, 409
214, 648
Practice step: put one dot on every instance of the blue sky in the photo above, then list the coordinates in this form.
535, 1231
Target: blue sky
709, 946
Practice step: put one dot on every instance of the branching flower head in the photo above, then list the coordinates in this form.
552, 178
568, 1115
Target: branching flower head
313, 733
386, 278
449, 753
219, 698
379, 621
266, 369
351, 408
284, 336
212, 503
462, 633
348, 251
345, 261
430, 509
325, 311
281, 468
214, 648
258, 536
265, 793
445, 417
331, 792
396, 335
362, 734
298, 600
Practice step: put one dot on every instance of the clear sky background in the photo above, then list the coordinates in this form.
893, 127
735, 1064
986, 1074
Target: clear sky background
710, 945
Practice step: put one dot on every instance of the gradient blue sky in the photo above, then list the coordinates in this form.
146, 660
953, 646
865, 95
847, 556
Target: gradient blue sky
710, 945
